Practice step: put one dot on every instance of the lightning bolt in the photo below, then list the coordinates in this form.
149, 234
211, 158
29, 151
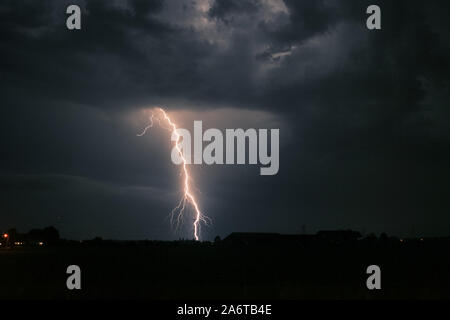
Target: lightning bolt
188, 197
147, 127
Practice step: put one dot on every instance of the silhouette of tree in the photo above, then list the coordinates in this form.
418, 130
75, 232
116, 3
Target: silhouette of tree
384, 237
371, 236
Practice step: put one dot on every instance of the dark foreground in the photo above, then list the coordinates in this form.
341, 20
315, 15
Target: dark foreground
207, 271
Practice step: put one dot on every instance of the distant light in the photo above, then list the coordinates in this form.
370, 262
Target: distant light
5, 235
17, 243
41, 243
421, 239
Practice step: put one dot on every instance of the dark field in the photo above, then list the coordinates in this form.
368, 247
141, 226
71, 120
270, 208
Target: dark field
207, 271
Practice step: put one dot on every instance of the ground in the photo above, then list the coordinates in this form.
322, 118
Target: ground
207, 271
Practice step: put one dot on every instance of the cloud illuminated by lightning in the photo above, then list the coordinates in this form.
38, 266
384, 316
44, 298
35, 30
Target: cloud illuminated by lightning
188, 197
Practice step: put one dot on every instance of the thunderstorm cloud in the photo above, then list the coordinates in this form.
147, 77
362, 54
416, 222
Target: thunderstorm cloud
363, 115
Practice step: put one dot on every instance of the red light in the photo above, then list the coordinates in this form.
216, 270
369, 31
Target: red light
5, 235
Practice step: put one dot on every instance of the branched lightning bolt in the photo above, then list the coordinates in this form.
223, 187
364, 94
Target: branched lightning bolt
147, 127
188, 197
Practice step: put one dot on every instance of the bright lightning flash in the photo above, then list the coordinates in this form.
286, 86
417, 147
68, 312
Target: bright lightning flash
188, 197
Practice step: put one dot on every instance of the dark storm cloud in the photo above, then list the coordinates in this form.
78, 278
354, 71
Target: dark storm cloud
306, 19
79, 67
127, 54
82, 207
223, 9
366, 110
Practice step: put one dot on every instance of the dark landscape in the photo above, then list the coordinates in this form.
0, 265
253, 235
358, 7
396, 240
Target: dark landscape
298, 151
327, 265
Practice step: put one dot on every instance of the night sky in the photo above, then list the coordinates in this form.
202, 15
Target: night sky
363, 115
